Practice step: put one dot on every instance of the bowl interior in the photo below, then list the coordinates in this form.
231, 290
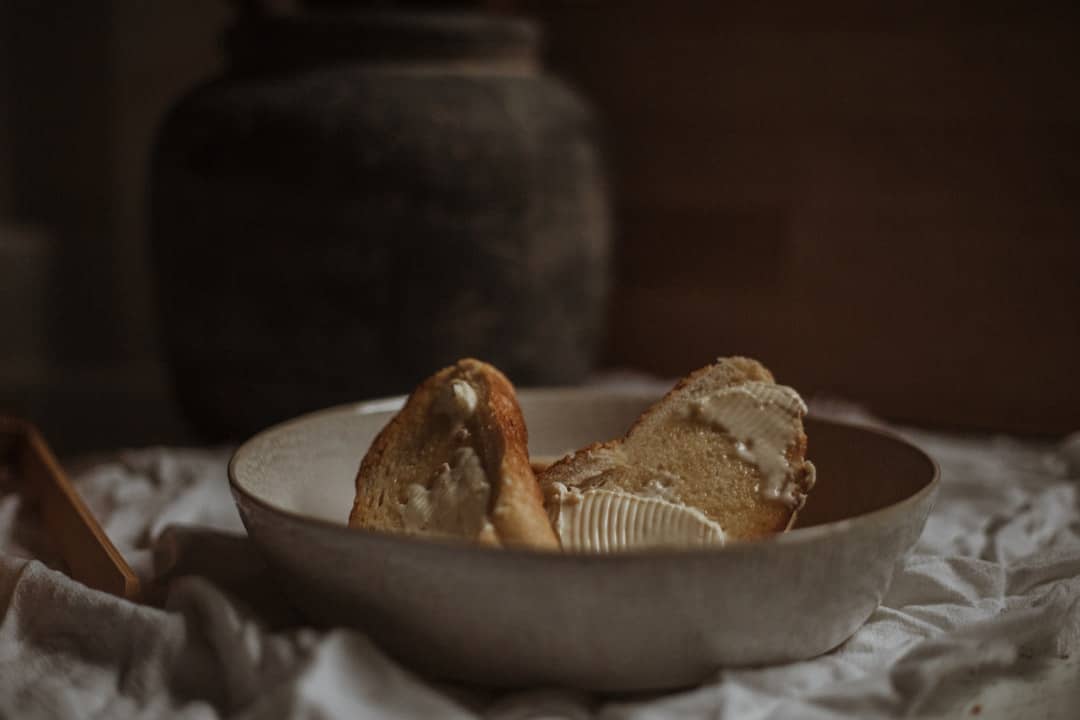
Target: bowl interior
306, 466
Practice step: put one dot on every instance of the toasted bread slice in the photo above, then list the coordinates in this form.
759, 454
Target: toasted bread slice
722, 456
454, 462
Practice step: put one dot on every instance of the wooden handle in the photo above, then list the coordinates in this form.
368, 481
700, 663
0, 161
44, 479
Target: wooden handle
90, 556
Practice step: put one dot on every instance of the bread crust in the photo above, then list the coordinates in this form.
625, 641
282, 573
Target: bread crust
414, 443
518, 505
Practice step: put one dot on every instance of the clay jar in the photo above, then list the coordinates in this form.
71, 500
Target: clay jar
365, 197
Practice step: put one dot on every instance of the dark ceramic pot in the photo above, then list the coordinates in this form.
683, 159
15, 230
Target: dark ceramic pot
363, 198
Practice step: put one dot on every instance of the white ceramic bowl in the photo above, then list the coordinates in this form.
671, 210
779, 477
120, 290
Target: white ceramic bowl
626, 622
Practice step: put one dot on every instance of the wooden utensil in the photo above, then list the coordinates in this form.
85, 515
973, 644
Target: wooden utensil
88, 554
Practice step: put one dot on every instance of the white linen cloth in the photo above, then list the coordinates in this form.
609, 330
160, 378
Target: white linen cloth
991, 591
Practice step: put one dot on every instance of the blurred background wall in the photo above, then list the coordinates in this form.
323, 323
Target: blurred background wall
83, 86
883, 205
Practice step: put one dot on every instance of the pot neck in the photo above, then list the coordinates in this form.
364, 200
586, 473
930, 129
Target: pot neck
415, 40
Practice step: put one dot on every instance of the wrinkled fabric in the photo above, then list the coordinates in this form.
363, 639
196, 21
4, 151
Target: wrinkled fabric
993, 582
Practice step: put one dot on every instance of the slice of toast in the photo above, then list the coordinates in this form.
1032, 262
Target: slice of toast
454, 462
721, 457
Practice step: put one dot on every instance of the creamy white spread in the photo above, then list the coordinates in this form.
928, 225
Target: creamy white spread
457, 400
456, 500
761, 419
455, 504
601, 520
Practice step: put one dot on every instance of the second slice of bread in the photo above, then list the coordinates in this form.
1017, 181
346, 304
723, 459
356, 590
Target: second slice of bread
694, 448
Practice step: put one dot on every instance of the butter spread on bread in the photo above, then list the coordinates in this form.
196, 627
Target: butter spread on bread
454, 463
763, 420
606, 520
720, 457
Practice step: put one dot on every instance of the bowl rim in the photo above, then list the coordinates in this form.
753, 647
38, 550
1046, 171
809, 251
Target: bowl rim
794, 537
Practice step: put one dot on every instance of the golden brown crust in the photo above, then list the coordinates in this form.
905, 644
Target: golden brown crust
517, 510
413, 444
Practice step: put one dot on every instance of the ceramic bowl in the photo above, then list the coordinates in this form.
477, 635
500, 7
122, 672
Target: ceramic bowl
624, 622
